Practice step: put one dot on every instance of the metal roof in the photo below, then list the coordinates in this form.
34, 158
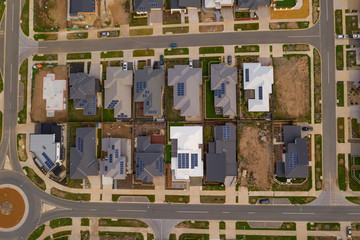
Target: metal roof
147, 5
77, 6
252, 4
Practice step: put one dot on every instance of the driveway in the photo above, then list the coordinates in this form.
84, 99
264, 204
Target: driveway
156, 16
227, 13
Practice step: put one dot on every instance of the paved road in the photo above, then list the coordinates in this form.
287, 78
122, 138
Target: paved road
321, 36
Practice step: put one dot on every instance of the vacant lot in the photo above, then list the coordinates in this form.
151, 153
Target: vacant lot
149, 128
255, 156
303, 12
38, 109
49, 15
291, 87
119, 10
116, 130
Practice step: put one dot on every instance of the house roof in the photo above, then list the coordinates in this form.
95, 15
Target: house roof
149, 159
83, 92
218, 3
45, 149
182, 4
258, 78
52, 128
188, 159
222, 154
148, 84
83, 161
252, 4
115, 165
186, 82
77, 6
118, 86
147, 5
290, 133
223, 82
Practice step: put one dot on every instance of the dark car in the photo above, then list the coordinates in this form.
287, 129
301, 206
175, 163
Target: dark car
161, 59
156, 65
264, 201
307, 128
173, 45
229, 60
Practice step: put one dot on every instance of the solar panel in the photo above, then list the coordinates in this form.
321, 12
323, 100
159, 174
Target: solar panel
226, 133
48, 161
180, 90
117, 153
80, 145
112, 147
194, 160
110, 158
293, 160
121, 167
246, 75
106, 168
223, 88
260, 93
186, 160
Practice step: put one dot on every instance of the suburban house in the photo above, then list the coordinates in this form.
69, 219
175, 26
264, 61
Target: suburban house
79, 7
54, 94
83, 161
114, 166
118, 86
149, 159
186, 82
83, 92
148, 91
145, 6
258, 82
186, 152
252, 4
218, 4
295, 160
183, 5
221, 164
223, 83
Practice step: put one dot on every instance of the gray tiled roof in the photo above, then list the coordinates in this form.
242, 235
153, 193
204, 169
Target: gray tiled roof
291, 133
151, 156
147, 5
118, 86
83, 92
111, 166
221, 159
77, 6
189, 103
182, 4
222, 75
44, 145
252, 4
83, 161
151, 94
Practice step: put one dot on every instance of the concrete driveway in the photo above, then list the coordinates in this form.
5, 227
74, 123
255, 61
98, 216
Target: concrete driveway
156, 16
227, 13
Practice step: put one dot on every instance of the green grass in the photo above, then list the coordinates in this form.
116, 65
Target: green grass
112, 54
246, 26
1, 83
99, 137
176, 51
107, 222
286, 4
355, 129
353, 184
213, 188
77, 115
247, 48
143, 53
341, 130
212, 199
339, 57
340, 93
171, 114
62, 233
193, 224
70, 196
210, 102
317, 86
242, 14
141, 32
318, 162
351, 24
211, 50
115, 197
60, 222
172, 236
305, 186
338, 22
108, 115
175, 30
36, 179
122, 235
25, 18
193, 236
150, 236
37, 233
208, 134
323, 227
134, 22
45, 57
206, 62
85, 235
22, 115
2, 8
341, 172
177, 198
45, 37
287, 226
355, 200
168, 153
74, 56
222, 225
85, 222
263, 237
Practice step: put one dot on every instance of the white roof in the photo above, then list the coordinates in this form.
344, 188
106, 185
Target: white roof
53, 92
260, 79
188, 140
218, 3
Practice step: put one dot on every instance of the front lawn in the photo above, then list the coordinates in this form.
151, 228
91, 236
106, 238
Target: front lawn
340, 94
341, 130
341, 172
60, 222
211, 50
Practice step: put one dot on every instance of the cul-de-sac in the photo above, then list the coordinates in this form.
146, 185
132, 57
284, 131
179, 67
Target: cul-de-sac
180, 119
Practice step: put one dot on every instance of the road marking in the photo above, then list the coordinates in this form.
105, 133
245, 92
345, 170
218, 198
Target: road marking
192, 211
120, 210
226, 212
92, 209
310, 36
12, 22
251, 212
328, 67
299, 213
11, 67
327, 12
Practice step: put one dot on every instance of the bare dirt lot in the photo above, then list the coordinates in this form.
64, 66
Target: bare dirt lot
291, 87
38, 105
149, 128
119, 12
50, 13
117, 130
12, 207
207, 17
211, 28
255, 155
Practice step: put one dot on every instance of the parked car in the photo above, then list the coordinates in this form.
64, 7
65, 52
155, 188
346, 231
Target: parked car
229, 60
172, 45
104, 34
264, 201
348, 232
191, 63
161, 59
156, 65
356, 36
340, 36
125, 66
307, 128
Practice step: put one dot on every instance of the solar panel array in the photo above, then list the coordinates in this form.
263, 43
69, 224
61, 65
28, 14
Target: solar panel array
93, 104
152, 112
116, 153
226, 133
80, 144
122, 115
48, 161
142, 8
139, 86
121, 167
112, 147
293, 160
223, 88
140, 168
181, 89
110, 158
112, 104
260, 92
194, 160
247, 75
183, 160
148, 103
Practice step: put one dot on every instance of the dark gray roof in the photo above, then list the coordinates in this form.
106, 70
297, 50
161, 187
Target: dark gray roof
83, 161
147, 5
77, 6
181, 4
149, 159
83, 92
290, 133
252, 4
52, 128
222, 155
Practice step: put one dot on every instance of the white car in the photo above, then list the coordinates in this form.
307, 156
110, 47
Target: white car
191, 63
340, 36
125, 66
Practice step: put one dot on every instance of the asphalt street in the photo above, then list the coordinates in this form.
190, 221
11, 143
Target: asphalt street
321, 36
